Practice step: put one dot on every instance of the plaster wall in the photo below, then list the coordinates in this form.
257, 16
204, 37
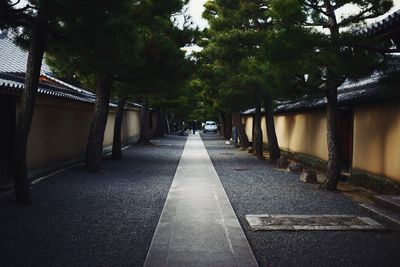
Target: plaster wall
303, 133
131, 125
109, 132
264, 130
60, 129
248, 126
58, 133
377, 139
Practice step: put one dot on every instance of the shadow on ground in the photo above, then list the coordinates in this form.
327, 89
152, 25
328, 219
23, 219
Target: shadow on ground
256, 187
84, 219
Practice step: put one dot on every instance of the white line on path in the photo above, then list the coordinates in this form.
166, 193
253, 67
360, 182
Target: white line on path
198, 225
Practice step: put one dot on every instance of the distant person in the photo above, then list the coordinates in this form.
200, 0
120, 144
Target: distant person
194, 127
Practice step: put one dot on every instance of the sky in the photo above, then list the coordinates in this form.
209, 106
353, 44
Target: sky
196, 9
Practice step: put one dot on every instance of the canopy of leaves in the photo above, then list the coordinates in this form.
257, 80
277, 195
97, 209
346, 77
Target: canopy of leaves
316, 40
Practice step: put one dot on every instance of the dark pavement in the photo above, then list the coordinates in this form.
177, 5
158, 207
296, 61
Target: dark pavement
83, 219
108, 219
263, 189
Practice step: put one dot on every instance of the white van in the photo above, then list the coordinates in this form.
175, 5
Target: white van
210, 126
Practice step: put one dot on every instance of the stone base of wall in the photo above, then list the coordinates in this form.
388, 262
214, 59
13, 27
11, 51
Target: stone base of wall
379, 184
307, 160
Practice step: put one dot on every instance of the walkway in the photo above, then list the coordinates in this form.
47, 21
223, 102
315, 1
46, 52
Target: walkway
198, 225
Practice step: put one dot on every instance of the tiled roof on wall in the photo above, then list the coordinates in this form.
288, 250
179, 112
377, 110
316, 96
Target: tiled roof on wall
14, 83
383, 25
13, 61
13, 58
363, 91
350, 93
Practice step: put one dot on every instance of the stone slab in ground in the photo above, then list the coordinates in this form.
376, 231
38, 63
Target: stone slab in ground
268, 222
390, 201
388, 214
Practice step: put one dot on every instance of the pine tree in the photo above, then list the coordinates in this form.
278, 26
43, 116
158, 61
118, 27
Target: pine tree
237, 43
326, 50
34, 24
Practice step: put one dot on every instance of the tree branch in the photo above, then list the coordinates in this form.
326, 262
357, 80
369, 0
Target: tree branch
316, 87
314, 24
314, 5
380, 50
358, 17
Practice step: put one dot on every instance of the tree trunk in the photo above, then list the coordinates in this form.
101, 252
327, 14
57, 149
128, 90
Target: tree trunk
94, 147
117, 144
161, 125
333, 138
26, 108
221, 117
145, 134
273, 146
228, 126
243, 139
258, 136
164, 123
167, 121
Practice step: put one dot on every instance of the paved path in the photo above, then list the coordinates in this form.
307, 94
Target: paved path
198, 225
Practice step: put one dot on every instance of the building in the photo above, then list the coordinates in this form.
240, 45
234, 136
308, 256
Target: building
369, 123
61, 120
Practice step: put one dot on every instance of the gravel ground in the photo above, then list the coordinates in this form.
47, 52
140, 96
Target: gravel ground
83, 219
263, 189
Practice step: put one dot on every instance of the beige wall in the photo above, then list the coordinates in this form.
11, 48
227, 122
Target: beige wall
131, 125
377, 139
58, 133
303, 132
109, 132
60, 130
297, 132
264, 130
248, 126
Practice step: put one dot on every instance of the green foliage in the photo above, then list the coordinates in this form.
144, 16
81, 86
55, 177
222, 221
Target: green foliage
100, 38
136, 44
311, 38
233, 64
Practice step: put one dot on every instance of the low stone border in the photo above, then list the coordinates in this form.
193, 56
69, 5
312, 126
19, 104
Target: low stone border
324, 222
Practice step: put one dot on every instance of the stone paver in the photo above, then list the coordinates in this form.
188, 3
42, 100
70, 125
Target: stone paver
198, 226
323, 222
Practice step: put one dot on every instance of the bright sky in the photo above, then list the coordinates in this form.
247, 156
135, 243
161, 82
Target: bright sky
196, 9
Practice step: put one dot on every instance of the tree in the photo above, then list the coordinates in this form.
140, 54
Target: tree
122, 94
237, 43
33, 25
328, 53
100, 56
163, 65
